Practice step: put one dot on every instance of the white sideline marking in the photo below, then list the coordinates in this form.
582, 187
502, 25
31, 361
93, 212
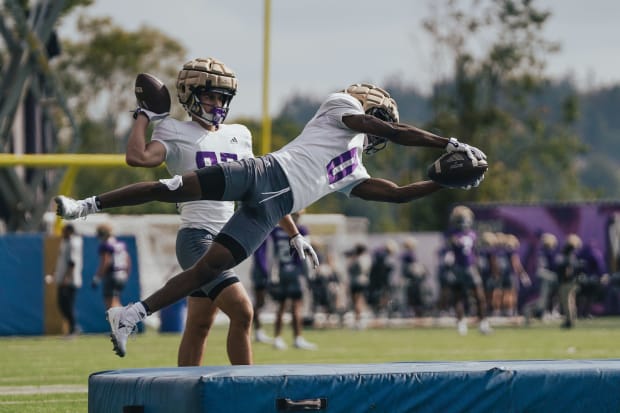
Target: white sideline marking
49, 389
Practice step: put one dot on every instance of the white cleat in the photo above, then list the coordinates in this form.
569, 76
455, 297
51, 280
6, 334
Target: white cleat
485, 327
69, 208
123, 322
262, 337
462, 327
279, 344
302, 344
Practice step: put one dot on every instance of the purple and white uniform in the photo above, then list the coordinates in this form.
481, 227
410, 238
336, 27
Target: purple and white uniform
189, 147
462, 243
327, 156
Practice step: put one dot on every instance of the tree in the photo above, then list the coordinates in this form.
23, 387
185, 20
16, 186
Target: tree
490, 101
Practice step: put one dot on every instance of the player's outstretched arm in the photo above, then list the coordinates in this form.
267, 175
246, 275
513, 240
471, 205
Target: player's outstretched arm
408, 135
399, 133
382, 190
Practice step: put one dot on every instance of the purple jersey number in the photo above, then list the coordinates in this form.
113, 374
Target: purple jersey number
342, 165
208, 158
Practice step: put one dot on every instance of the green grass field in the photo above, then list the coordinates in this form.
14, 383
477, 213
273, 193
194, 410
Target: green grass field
62, 366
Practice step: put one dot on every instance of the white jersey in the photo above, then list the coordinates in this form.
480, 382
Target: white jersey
327, 156
189, 147
70, 252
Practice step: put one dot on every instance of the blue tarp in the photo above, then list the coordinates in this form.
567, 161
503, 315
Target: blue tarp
22, 298
21, 285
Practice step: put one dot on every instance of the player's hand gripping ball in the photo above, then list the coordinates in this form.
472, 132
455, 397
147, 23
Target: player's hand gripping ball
457, 170
152, 94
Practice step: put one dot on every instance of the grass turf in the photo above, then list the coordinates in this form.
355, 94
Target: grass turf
53, 361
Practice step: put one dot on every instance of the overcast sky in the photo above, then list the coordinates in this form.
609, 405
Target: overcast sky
318, 46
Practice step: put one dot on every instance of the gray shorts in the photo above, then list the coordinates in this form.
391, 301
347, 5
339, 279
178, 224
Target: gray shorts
263, 189
191, 244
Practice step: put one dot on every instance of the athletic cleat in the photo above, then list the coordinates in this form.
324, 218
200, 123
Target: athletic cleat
462, 327
69, 208
262, 337
279, 344
123, 322
485, 327
302, 344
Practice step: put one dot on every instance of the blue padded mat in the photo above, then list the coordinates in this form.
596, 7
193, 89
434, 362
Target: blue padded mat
486, 386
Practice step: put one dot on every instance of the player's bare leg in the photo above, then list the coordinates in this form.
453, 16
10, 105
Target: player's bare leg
124, 319
201, 312
278, 342
297, 321
177, 189
236, 304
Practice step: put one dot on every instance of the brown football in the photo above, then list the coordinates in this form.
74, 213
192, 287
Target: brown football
152, 94
456, 170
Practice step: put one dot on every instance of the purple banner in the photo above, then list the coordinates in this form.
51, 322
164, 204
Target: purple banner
593, 222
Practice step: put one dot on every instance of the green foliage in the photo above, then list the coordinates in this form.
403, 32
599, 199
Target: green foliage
491, 103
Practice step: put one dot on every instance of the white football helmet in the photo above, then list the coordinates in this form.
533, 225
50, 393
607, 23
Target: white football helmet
376, 102
206, 74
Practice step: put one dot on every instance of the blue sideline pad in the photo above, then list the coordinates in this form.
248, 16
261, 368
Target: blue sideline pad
486, 386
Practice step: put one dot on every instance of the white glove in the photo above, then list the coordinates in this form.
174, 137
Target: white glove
472, 152
300, 246
151, 116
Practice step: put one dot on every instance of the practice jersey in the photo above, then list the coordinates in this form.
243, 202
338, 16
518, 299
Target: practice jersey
70, 254
189, 147
288, 266
309, 162
462, 243
120, 257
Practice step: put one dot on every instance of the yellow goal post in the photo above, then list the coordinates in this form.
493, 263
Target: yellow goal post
72, 161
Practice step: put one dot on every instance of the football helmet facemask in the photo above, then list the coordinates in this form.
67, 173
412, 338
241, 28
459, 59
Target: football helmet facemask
378, 103
206, 75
